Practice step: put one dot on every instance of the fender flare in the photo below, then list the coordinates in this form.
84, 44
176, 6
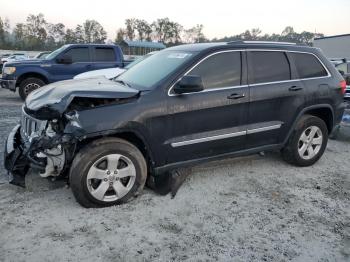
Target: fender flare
302, 112
119, 131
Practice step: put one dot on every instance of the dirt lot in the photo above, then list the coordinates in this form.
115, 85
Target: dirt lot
255, 208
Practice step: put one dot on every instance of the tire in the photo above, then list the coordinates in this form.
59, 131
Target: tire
94, 160
296, 144
28, 85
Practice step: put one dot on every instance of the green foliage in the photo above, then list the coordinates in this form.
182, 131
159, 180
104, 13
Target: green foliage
37, 34
287, 35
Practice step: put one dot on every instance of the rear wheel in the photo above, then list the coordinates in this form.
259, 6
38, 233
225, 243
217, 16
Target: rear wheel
107, 172
307, 142
28, 85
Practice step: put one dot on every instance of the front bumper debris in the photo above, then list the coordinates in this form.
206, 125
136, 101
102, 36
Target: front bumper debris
14, 160
18, 158
21, 154
8, 84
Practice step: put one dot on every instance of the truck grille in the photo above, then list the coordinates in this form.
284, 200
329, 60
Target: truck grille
29, 125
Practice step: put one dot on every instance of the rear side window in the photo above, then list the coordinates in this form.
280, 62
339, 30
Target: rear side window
269, 67
79, 54
308, 66
220, 70
103, 54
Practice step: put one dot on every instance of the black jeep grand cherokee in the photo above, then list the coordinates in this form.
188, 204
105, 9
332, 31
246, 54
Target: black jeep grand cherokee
184, 105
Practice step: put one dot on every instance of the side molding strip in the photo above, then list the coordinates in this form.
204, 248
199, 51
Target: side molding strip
223, 136
206, 139
262, 129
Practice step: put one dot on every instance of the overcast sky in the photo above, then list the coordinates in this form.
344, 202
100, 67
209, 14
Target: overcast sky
219, 17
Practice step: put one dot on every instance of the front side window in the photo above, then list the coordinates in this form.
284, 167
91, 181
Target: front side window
79, 54
308, 65
220, 70
269, 66
53, 54
103, 54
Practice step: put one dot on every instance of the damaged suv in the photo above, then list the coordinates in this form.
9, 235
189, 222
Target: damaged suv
182, 106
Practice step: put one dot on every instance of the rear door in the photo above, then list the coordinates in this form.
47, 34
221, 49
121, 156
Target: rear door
275, 96
106, 57
213, 121
81, 62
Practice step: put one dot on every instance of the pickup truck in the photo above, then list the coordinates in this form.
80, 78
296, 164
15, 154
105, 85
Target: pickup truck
62, 64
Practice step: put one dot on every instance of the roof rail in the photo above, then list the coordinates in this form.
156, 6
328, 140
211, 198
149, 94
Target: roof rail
260, 42
235, 42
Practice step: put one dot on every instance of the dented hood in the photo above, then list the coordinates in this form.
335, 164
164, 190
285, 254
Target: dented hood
58, 96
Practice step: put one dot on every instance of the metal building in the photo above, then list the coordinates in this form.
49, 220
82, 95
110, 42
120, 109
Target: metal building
337, 46
139, 48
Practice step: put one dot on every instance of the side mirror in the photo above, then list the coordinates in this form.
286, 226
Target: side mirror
341, 72
189, 84
65, 59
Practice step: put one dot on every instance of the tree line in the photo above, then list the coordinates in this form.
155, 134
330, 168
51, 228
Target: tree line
38, 34
287, 35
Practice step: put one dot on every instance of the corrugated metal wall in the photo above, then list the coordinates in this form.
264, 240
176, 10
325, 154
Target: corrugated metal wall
334, 47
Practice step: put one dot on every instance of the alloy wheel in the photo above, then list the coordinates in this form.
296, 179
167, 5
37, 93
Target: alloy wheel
111, 177
310, 142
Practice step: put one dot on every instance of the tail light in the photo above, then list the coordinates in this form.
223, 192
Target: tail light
342, 85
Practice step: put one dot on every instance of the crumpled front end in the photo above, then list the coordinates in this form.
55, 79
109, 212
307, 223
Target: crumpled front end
36, 144
50, 127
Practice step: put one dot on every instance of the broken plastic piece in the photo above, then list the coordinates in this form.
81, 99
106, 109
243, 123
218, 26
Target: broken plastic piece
169, 182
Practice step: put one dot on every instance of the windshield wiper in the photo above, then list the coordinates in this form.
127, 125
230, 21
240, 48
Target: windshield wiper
122, 82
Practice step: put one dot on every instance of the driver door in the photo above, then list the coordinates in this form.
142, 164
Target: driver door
213, 121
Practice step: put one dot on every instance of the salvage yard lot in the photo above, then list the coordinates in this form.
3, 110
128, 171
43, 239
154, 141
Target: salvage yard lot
255, 208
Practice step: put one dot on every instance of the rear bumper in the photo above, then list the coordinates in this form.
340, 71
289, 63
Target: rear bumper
8, 84
347, 93
338, 114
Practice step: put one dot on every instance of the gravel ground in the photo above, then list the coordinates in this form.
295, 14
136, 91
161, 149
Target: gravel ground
255, 208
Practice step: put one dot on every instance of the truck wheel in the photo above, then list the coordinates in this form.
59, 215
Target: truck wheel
107, 172
28, 85
307, 142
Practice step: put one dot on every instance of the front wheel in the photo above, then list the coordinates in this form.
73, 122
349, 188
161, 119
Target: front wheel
28, 85
307, 143
107, 172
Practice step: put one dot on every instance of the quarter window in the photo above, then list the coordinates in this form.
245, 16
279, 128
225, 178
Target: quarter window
308, 65
104, 54
269, 66
79, 54
220, 70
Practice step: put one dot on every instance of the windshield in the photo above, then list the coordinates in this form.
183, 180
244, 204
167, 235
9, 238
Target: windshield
145, 74
138, 60
56, 52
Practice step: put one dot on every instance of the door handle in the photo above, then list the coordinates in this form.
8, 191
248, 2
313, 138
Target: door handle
236, 96
88, 66
295, 88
